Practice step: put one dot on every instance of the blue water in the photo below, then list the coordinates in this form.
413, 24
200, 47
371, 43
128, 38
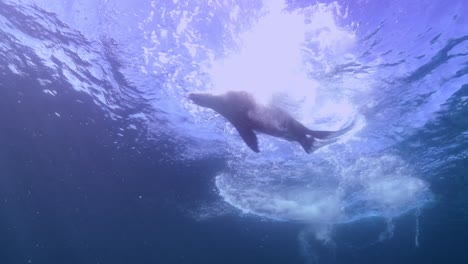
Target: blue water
104, 160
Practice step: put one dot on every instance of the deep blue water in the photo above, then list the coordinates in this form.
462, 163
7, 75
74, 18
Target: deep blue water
103, 160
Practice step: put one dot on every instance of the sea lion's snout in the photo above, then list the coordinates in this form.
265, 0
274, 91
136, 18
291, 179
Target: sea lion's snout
193, 96
200, 99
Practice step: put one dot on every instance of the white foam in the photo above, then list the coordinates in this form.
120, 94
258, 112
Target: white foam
319, 193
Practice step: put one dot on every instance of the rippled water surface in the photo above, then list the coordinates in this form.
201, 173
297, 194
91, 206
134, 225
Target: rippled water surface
103, 158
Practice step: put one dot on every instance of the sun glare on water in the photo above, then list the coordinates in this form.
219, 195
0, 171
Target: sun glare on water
271, 61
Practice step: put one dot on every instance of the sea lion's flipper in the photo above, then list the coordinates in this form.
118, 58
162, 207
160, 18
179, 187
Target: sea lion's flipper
307, 143
329, 134
323, 134
249, 137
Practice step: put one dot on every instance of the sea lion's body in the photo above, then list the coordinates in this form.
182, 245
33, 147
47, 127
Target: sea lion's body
241, 110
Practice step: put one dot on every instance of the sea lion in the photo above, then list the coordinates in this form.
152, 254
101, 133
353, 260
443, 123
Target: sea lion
248, 117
